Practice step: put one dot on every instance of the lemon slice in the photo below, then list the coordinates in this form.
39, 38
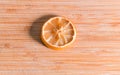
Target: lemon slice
58, 33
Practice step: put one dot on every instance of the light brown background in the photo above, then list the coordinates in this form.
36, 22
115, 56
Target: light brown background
96, 50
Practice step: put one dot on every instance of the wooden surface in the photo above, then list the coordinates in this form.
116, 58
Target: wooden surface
96, 50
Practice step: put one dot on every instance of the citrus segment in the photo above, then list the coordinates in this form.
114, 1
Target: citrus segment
58, 33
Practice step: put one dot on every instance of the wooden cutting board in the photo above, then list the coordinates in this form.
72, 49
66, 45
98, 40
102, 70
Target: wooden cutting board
96, 50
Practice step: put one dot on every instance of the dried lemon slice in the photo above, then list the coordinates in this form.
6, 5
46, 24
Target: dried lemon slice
58, 33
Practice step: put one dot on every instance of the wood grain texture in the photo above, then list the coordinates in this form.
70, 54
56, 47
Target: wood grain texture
96, 50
